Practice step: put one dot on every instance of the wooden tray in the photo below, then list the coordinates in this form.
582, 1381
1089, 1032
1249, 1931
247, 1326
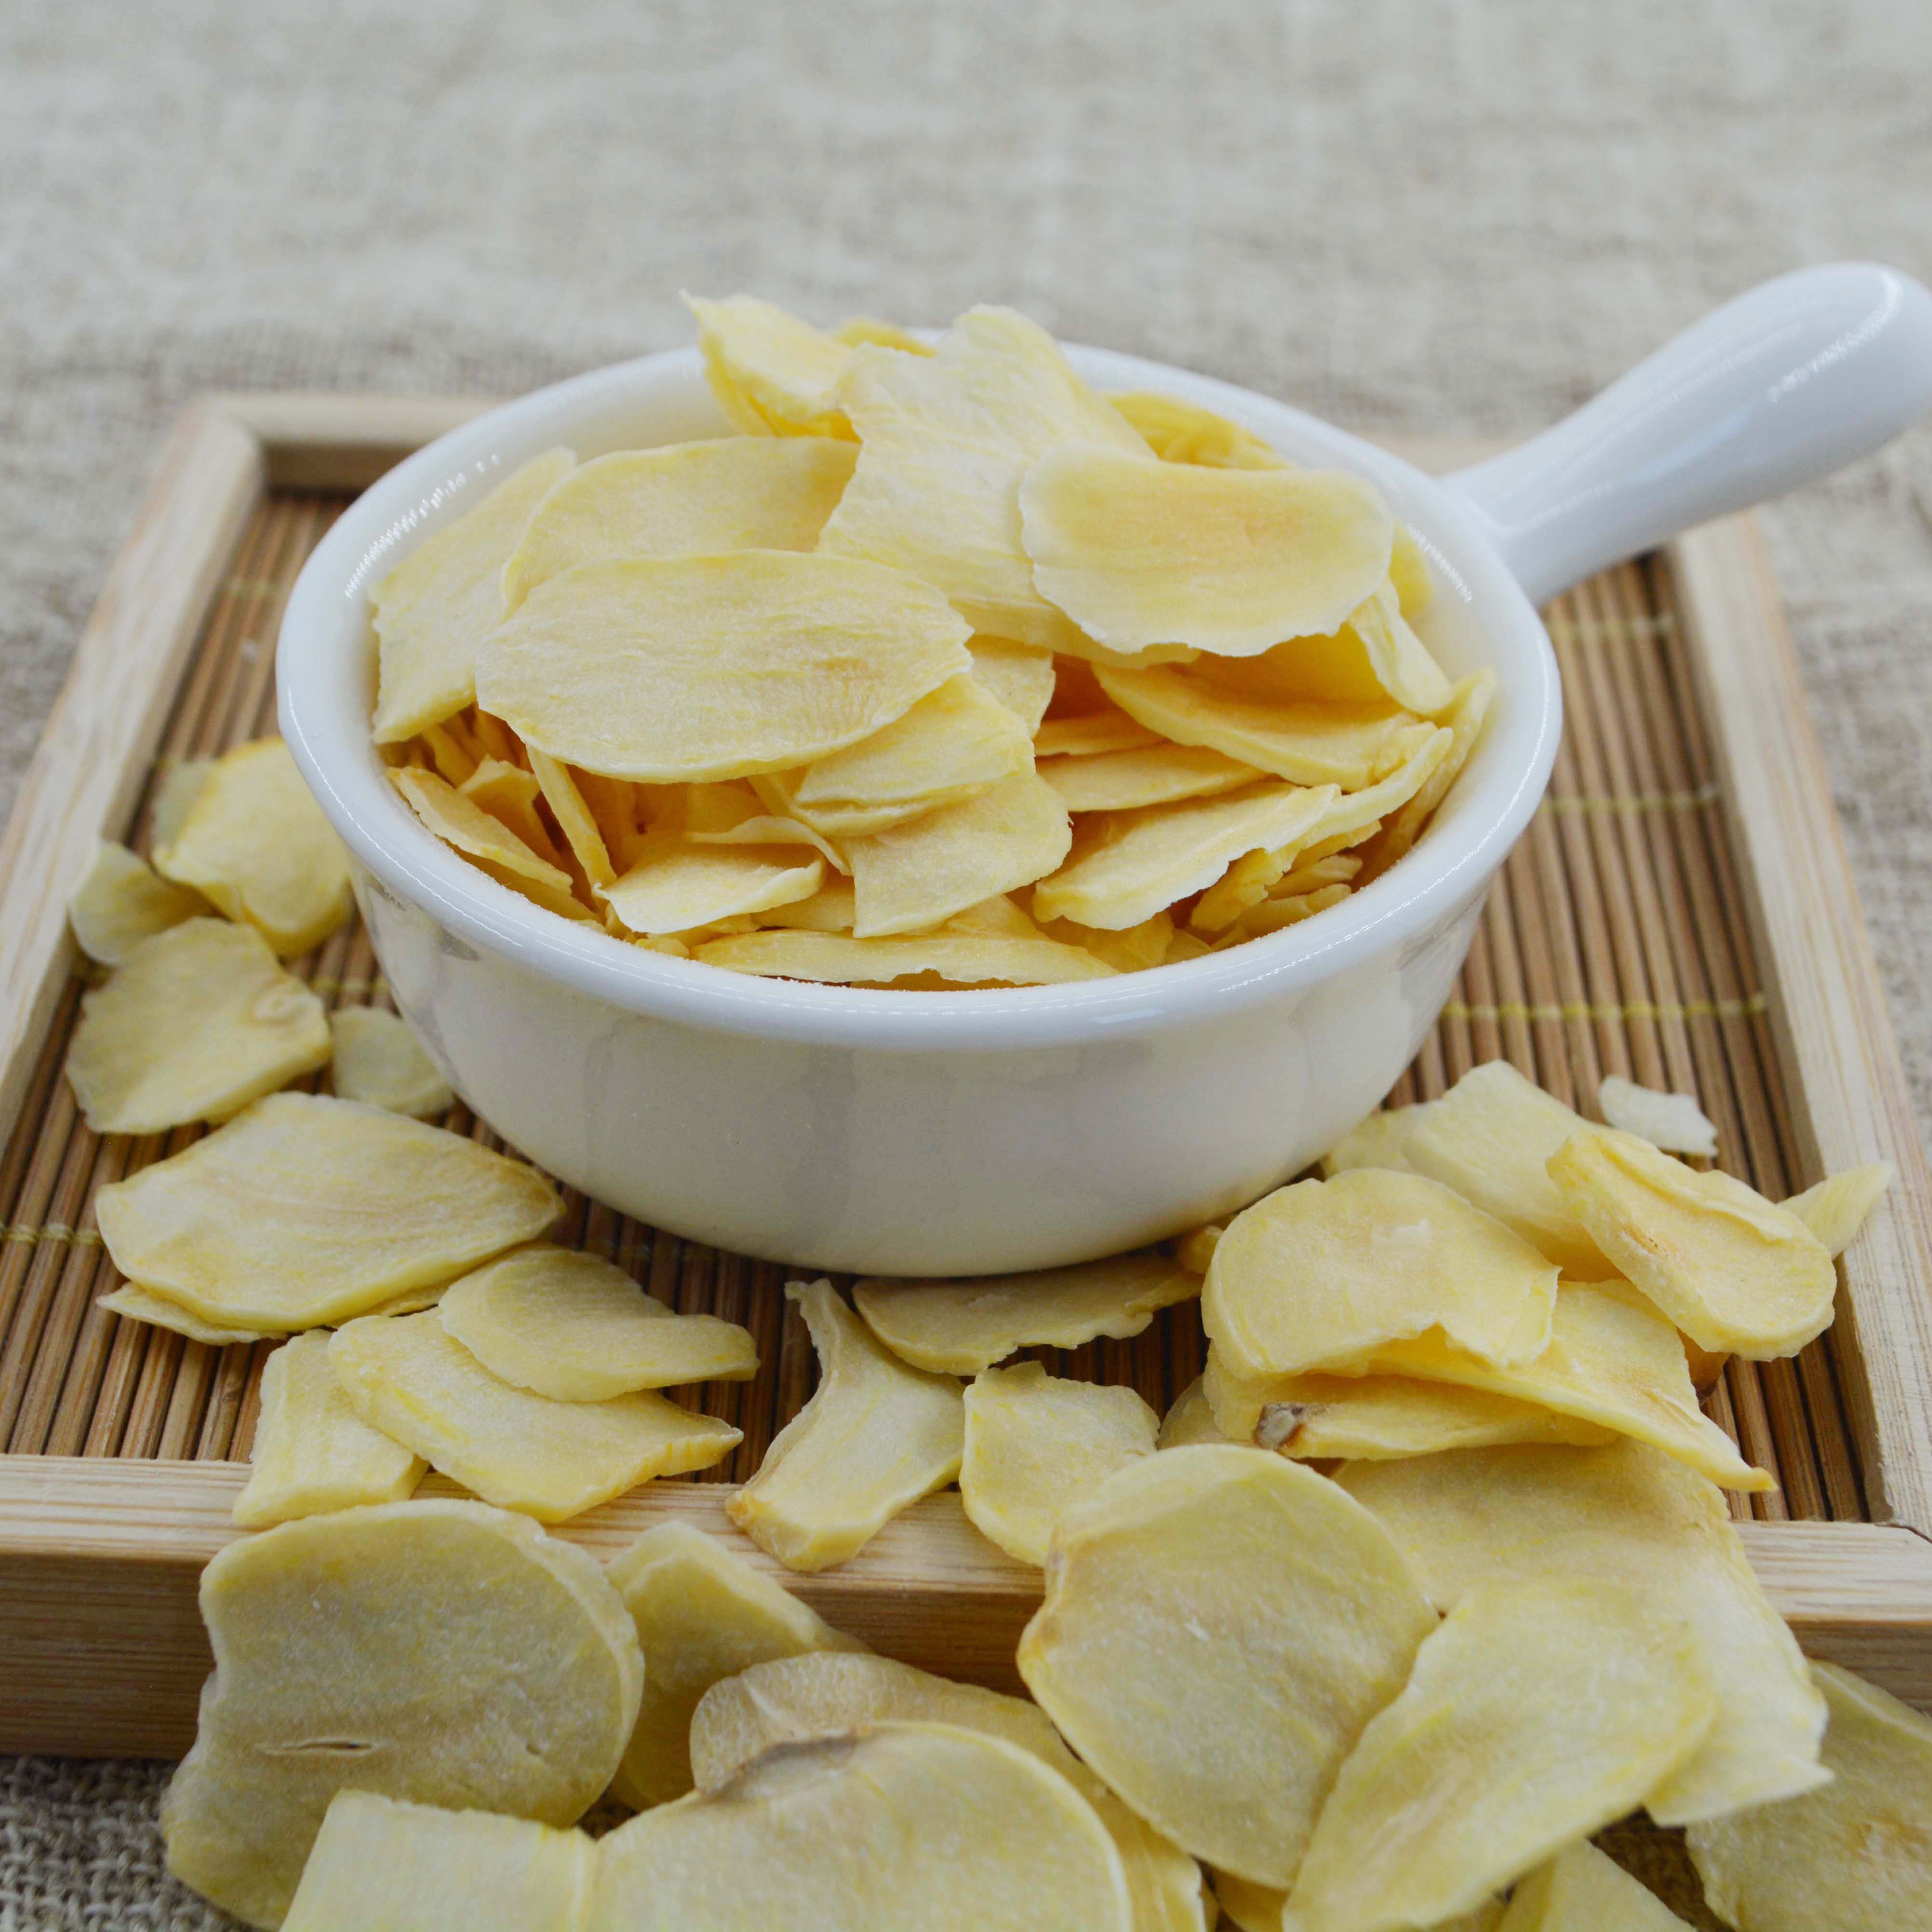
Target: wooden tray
1681, 911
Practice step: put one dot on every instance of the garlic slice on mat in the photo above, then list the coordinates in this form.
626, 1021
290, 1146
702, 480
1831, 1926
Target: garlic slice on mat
1312, 1417
1672, 1121
1490, 1138
1584, 1890
1036, 1443
576, 1328
382, 1865
960, 1327
1613, 1360
1736, 1272
900, 1828
406, 1376
1854, 1855
379, 1061
200, 1020
313, 1453
703, 1617
305, 1210
824, 1693
1324, 1274
1835, 1210
255, 844
1203, 1605
876, 1437
120, 900
1536, 1714
1627, 1513
443, 1652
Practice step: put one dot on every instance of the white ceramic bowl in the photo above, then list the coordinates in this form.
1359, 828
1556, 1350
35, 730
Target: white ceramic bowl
970, 1133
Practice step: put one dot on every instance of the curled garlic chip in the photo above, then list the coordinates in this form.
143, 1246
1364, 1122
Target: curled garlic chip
1324, 1274
1733, 1271
254, 843
823, 1693
1584, 1890
406, 1376
379, 1061
199, 1020
1229, 561
1142, 776
1202, 1605
945, 440
685, 499
1313, 1418
1854, 1855
434, 607
955, 744
1020, 675
1379, 1140
304, 1210
1835, 1210
313, 1453
1627, 1514
1350, 745
1372, 657
1181, 432
1672, 1121
1537, 1713
1613, 1360
707, 667
1468, 706
1490, 1138
384, 1865
900, 1828
675, 883
1124, 867
1035, 1444
136, 1303
961, 1327
876, 1436
443, 1652
119, 901
915, 874
962, 959
703, 1616
772, 374
576, 1328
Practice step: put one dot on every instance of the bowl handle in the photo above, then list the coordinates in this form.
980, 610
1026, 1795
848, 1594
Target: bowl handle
1785, 384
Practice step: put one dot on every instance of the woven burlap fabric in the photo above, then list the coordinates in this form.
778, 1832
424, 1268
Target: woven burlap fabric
1429, 218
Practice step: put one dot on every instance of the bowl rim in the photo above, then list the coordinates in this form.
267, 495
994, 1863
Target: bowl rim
324, 626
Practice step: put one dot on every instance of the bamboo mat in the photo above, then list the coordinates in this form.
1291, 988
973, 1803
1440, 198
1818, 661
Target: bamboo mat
1614, 942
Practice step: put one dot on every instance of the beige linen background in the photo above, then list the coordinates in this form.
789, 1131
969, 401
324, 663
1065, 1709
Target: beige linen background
1453, 217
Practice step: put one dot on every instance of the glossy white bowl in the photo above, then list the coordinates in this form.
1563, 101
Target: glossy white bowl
970, 1133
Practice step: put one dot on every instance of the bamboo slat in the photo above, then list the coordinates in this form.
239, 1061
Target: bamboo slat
1679, 912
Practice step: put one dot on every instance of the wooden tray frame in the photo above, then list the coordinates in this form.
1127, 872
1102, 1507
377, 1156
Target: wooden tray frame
101, 1647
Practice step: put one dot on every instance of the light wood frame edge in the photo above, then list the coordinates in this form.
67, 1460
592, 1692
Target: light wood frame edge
1826, 1003
102, 1652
